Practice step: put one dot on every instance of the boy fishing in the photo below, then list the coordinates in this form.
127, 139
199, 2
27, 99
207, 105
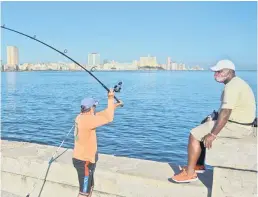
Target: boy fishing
85, 139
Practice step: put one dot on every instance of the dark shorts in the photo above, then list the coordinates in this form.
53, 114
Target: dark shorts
85, 171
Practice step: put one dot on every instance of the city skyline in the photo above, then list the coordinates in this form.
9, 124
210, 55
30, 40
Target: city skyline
104, 67
148, 62
189, 32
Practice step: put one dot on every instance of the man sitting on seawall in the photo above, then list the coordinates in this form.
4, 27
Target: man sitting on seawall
235, 120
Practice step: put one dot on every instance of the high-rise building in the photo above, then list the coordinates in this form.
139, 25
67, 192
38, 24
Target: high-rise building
174, 66
180, 66
168, 66
12, 56
93, 59
168, 61
148, 61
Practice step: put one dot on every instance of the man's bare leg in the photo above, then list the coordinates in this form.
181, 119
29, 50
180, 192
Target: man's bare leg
194, 152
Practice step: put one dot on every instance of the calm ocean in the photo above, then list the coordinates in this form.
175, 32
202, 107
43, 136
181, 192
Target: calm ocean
160, 108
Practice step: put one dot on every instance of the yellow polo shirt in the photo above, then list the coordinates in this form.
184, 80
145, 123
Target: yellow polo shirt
239, 97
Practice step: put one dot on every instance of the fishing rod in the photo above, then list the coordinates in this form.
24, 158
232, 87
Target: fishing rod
117, 88
34, 38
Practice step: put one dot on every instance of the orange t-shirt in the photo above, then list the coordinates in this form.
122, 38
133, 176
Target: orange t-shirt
85, 139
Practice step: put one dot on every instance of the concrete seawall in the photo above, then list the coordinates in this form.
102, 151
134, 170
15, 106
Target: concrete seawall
24, 166
23, 163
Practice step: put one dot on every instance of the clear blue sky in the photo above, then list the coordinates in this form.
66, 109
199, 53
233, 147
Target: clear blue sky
189, 32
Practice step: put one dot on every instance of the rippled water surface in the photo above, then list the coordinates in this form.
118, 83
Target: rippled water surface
160, 109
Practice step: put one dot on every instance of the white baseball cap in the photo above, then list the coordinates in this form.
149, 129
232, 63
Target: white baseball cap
223, 64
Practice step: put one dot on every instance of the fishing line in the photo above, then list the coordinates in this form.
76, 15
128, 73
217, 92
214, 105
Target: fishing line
53, 158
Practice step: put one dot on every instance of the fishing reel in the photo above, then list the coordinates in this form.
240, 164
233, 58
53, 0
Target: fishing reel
118, 87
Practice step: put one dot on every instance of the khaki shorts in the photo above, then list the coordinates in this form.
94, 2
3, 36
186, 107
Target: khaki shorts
230, 130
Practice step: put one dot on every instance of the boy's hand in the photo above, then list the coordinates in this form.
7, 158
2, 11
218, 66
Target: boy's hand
120, 104
111, 93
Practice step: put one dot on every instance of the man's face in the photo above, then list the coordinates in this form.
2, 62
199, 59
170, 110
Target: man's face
222, 75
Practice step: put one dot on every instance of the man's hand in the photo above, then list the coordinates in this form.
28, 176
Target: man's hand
207, 140
219, 124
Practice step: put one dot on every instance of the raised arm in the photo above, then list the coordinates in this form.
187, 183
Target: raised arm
106, 116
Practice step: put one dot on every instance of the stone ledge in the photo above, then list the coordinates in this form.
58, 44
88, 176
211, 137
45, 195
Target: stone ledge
8, 194
115, 176
235, 166
19, 188
234, 183
234, 153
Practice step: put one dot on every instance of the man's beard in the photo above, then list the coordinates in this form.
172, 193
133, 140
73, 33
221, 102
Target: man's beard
221, 77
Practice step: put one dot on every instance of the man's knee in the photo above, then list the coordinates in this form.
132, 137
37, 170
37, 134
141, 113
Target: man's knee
200, 131
192, 138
